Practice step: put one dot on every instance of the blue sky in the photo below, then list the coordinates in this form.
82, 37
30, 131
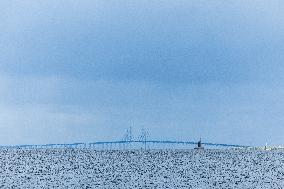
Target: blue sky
82, 71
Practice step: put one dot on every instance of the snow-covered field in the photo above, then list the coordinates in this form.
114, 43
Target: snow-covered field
86, 168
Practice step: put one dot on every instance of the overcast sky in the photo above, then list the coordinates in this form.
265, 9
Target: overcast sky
84, 71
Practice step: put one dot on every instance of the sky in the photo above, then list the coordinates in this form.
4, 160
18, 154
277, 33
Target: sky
85, 71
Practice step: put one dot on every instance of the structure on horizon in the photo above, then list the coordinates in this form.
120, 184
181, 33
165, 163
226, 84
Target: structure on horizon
199, 145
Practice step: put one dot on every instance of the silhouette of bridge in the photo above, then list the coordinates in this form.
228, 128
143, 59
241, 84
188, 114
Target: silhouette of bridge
132, 144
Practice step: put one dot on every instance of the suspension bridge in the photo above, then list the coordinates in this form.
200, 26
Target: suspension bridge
132, 144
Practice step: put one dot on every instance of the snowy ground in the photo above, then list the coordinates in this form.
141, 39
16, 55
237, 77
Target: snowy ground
86, 168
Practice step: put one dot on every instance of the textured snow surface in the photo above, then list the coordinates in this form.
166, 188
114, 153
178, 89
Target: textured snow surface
86, 168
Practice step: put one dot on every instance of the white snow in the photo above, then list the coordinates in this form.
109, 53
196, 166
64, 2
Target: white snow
87, 168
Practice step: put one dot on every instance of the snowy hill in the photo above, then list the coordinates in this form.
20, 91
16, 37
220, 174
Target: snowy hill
86, 168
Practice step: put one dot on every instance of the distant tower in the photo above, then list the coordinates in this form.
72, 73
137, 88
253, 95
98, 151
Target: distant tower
144, 137
199, 145
266, 147
128, 135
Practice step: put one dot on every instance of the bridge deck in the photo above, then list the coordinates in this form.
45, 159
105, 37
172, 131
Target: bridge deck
113, 143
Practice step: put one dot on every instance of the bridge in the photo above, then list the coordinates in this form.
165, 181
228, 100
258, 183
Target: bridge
132, 144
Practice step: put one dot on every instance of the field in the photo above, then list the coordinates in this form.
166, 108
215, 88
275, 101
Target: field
86, 168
